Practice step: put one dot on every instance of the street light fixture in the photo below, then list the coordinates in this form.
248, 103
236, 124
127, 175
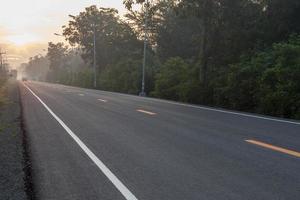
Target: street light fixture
58, 34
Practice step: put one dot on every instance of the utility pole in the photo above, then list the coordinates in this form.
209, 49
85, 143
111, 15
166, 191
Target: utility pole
143, 93
94, 60
2, 60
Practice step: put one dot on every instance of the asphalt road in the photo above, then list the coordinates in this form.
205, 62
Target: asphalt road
88, 144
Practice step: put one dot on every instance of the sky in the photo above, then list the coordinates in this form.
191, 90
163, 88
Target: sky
26, 26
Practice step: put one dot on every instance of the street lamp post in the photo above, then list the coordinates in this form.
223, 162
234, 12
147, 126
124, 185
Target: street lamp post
143, 93
94, 59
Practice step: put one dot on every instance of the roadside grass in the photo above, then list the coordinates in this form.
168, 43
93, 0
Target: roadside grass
3, 99
3, 92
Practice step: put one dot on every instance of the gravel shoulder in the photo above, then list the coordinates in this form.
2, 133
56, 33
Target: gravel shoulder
13, 161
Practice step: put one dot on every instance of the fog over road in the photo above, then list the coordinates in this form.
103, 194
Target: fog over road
90, 144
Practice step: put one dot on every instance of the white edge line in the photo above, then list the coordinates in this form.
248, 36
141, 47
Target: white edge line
191, 106
117, 183
229, 112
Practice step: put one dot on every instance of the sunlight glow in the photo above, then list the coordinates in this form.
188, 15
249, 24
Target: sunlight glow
22, 39
26, 27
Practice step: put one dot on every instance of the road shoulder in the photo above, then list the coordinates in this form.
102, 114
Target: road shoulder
14, 164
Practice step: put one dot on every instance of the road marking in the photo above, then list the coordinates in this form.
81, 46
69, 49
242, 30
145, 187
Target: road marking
146, 112
103, 100
190, 105
116, 182
223, 111
204, 108
81, 95
275, 148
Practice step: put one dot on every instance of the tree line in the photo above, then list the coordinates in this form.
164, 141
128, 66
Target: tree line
235, 54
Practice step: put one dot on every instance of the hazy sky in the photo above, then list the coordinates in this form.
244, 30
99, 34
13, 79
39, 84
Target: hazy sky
27, 25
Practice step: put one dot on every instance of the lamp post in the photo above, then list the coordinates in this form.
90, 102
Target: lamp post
143, 93
94, 57
95, 52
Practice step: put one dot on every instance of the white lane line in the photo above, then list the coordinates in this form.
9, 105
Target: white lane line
103, 100
146, 112
117, 183
81, 95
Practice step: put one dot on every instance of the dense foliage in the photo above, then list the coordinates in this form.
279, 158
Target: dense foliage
237, 54
268, 82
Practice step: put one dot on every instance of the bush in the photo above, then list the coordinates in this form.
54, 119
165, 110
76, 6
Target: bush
124, 76
84, 78
268, 82
172, 81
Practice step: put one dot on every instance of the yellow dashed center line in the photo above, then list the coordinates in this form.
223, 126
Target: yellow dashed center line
146, 112
275, 148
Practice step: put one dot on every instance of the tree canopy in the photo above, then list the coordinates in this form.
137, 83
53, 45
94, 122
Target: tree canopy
237, 54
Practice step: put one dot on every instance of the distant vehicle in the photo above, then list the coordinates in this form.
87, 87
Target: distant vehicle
24, 79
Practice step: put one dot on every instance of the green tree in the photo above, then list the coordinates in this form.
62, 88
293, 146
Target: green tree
280, 19
115, 39
57, 57
37, 68
280, 83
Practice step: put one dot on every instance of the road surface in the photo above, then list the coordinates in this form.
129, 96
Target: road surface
89, 144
